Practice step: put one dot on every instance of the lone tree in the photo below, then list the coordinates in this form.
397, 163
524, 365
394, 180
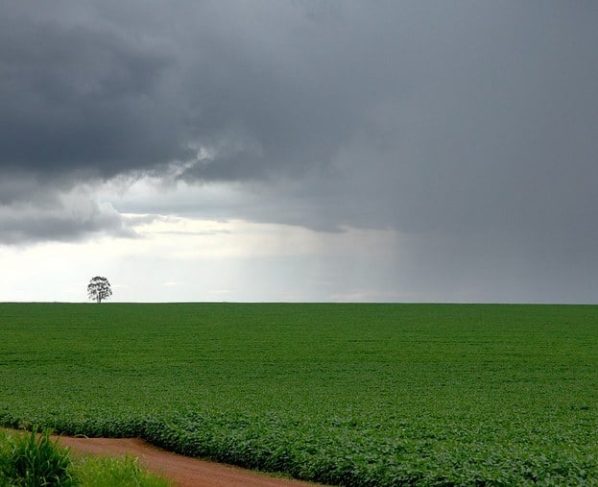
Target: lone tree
99, 289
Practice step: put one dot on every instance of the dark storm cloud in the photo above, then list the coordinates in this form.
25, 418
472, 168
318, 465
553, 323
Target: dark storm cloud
268, 88
78, 96
469, 124
444, 98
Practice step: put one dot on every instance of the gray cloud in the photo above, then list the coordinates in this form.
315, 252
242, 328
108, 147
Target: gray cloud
80, 97
467, 124
60, 217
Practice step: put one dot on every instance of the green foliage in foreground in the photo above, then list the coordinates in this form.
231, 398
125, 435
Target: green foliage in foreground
33, 461
357, 395
29, 460
114, 472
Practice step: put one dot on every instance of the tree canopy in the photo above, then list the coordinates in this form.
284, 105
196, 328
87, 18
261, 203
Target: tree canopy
99, 289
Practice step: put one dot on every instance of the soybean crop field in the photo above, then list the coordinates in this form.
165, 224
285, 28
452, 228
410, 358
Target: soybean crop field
345, 394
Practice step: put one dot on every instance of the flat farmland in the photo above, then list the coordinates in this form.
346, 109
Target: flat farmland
345, 394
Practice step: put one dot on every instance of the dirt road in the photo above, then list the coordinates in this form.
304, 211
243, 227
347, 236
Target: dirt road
183, 471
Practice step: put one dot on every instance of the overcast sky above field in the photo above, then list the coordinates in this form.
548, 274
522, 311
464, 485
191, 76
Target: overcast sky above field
299, 150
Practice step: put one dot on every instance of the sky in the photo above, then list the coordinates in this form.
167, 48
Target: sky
298, 150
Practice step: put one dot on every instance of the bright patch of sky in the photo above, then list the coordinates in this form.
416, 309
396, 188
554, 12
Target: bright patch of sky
189, 259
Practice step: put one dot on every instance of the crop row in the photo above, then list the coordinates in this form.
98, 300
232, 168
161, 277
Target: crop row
342, 454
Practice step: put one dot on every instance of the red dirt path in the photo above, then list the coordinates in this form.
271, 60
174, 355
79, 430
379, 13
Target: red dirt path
182, 471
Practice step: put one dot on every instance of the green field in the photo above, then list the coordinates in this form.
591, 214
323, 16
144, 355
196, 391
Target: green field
346, 394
